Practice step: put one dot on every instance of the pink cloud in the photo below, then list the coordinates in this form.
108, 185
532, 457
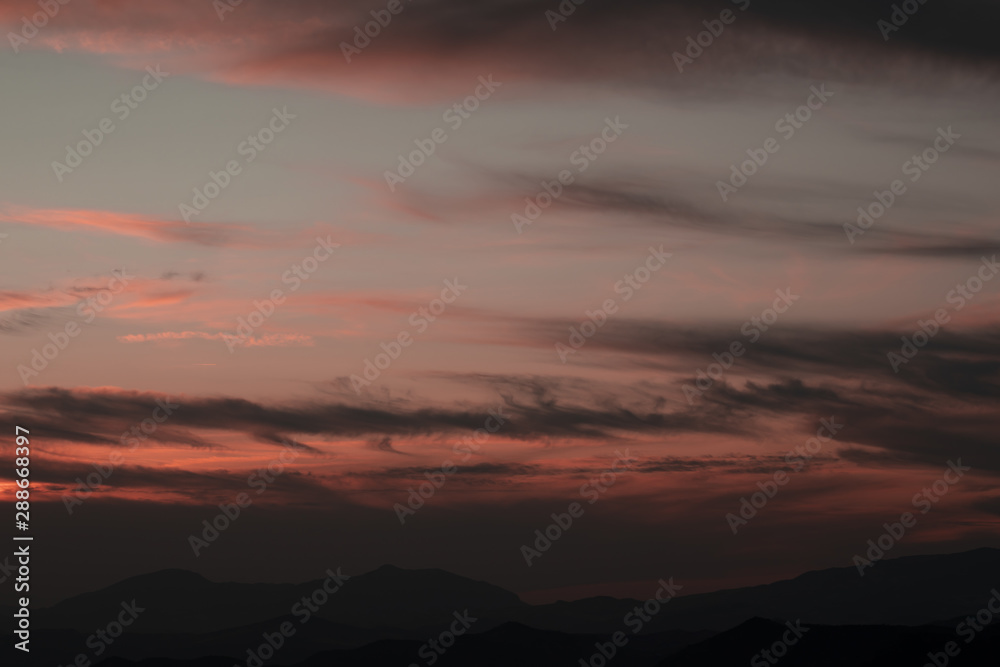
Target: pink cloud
139, 226
268, 340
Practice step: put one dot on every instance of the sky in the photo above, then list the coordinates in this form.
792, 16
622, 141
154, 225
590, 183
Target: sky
503, 249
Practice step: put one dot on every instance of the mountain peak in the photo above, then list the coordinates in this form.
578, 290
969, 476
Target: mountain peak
388, 568
171, 574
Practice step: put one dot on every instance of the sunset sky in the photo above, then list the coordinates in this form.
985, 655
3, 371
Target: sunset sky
596, 114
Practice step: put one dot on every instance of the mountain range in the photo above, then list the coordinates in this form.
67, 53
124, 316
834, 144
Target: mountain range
902, 609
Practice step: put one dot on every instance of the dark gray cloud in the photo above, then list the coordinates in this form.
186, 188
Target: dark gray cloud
384, 445
955, 361
102, 417
845, 33
22, 321
628, 43
661, 207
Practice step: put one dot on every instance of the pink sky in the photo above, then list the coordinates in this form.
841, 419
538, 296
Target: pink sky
260, 315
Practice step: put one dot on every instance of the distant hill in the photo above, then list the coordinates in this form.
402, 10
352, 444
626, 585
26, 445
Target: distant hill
176, 601
514, 644
913, 590
836, 646
388, 614
504, 646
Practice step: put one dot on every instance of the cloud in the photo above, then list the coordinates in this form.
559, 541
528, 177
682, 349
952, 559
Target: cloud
942, 404
26, 300
21, 321
798, 349
267, 340
384, 445
643, 201
109, 411
138, 226
434, 49
939, 404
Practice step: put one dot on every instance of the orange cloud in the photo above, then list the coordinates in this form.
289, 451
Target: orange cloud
139, 226
268, 340
10, 300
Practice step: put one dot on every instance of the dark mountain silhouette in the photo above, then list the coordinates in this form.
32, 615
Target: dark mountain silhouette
912, 590
508, 644
386, 616
835, 646
597, 614
176, 601
515, 644
309, 638
904, 591
414, 599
